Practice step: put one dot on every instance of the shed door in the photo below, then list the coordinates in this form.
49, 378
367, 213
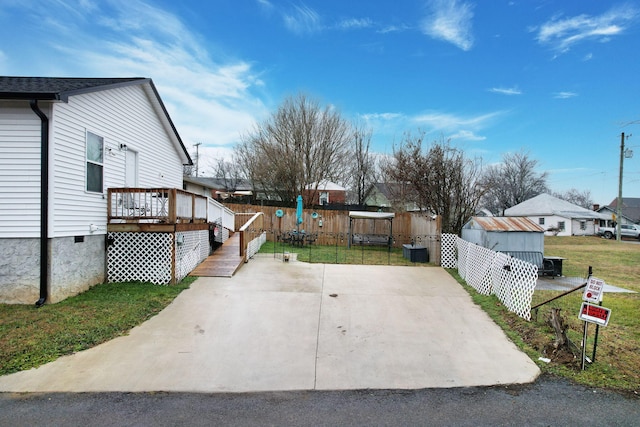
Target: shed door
131, 169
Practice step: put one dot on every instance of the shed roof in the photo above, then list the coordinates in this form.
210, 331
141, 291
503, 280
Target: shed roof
503, 224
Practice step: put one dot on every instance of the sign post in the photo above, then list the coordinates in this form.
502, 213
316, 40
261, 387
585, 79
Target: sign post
591, 313
593, 290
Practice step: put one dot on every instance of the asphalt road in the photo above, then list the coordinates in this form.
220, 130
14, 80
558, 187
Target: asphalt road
547, 402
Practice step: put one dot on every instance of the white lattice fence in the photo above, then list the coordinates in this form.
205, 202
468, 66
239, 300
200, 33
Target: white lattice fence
448, 251
148, 257
478, 268
192, 247
144, 257
510, 279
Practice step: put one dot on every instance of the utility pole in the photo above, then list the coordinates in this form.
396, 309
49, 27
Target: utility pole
198, 155
628, 154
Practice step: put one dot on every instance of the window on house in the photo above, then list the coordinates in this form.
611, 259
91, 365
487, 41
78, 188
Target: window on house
583, 225
561, 225
324, 198
541, 221
95, 162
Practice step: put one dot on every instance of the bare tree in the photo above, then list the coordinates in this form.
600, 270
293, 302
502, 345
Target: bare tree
577, 197
301, 144
362, 171
229, 172
512, 182
443, 180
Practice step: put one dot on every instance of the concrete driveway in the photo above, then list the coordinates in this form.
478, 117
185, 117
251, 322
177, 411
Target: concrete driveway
298, 326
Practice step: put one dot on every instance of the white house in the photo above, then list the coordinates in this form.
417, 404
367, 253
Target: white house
557, 216
63, 143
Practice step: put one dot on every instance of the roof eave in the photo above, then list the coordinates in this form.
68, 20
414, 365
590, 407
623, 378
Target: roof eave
168, 123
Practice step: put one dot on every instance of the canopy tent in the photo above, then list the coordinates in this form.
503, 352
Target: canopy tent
371, 215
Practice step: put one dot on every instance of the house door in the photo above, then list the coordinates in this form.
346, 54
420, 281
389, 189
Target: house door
131, 169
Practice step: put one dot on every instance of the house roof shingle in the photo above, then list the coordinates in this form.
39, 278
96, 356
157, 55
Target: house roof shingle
61, 88
57, 88
546, 204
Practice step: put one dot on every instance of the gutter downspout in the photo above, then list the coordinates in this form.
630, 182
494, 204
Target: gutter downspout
44, 202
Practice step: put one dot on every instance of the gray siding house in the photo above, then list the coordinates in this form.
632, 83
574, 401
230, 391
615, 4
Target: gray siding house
557, 216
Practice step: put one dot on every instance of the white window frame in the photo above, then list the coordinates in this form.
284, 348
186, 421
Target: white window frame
95, 161
324, 195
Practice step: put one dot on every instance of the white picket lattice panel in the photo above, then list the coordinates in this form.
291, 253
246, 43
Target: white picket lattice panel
478, 268
517, 283
144, 257
512, 280
448, 251
147, 257
192, 247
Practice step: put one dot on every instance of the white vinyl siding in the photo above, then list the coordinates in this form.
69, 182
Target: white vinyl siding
120, 116
19, 170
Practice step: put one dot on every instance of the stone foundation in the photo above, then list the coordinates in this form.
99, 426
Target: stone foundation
73, 268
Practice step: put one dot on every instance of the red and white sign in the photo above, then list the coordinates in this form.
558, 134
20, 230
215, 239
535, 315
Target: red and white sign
594, 314
594, 290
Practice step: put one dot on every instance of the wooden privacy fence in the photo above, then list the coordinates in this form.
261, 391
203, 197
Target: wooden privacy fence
332, 227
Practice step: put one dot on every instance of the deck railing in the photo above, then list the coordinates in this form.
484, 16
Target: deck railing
251, 221
155, 205
217, 211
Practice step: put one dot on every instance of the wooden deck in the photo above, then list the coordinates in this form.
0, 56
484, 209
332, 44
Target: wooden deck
224, 262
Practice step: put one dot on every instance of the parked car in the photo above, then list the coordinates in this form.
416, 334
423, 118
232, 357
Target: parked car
626, 230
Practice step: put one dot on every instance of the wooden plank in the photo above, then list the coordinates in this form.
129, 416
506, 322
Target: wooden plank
224, 262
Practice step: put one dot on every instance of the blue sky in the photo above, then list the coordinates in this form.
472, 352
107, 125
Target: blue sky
556, 78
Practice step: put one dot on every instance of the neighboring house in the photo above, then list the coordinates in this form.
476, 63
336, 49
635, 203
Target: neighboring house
557, 216
325, 192
394, 196
221, 189
64, 143
630, 211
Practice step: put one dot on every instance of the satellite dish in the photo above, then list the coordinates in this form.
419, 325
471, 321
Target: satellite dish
314, 215
279, 213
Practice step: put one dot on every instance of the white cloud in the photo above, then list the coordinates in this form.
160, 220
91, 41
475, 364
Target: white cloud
454, 126
506, 91
394, 29
466, 135
562, 33
265, 3
355, 23
210, 100
445, 121
381, 116
302, 20
564, 95
451, 21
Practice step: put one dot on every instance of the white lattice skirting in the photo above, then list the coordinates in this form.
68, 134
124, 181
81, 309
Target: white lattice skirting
149, 257
510, 279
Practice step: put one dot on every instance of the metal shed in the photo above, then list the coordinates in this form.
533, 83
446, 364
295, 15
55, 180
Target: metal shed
504, 234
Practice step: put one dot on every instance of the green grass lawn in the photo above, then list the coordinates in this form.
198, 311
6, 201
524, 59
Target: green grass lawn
341, 254
33, 336
617, 363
